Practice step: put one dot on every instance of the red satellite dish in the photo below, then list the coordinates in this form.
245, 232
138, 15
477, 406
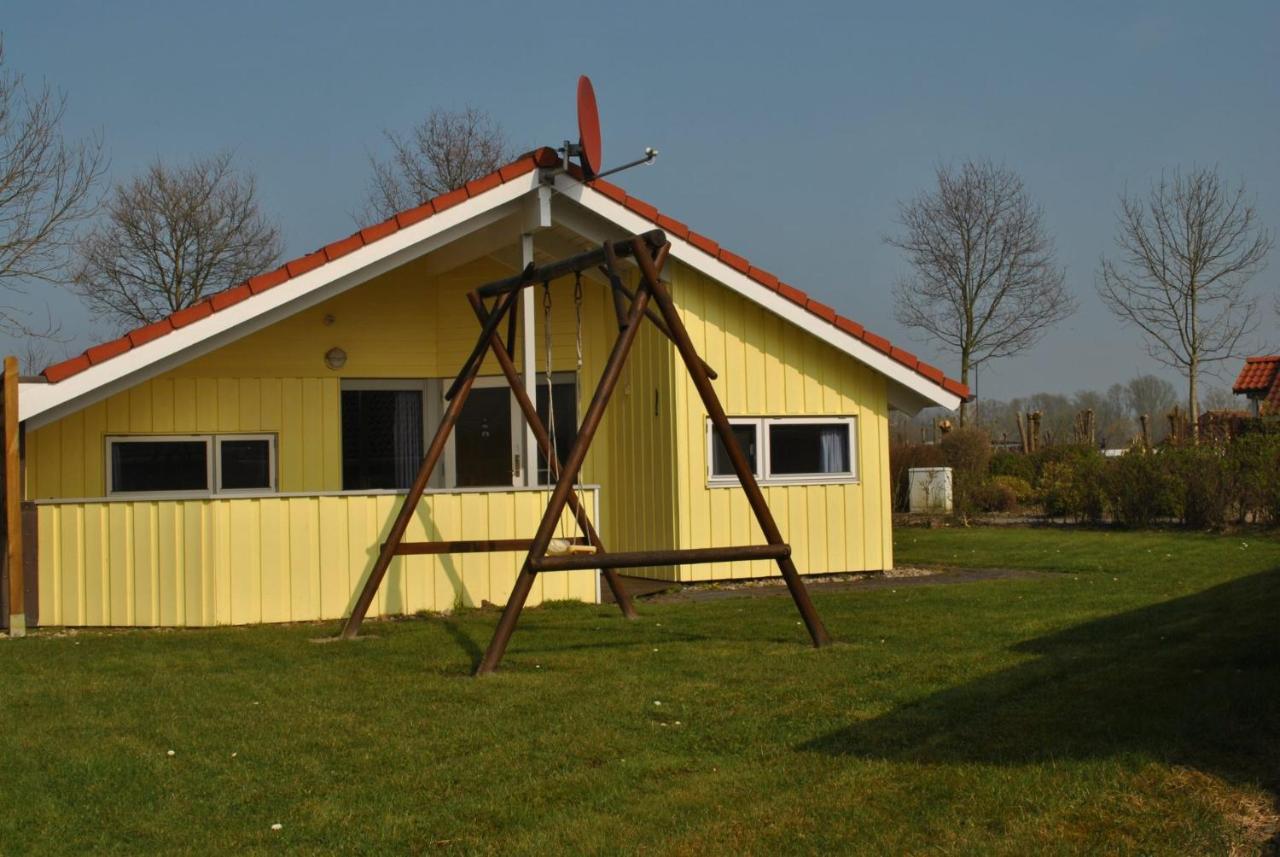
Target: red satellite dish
588, 127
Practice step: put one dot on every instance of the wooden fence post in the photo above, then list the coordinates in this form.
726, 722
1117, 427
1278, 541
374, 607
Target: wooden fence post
13, 502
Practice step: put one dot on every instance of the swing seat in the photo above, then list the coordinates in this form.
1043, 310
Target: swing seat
562, 547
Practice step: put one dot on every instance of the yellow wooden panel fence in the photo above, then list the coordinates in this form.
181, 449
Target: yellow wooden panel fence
239, 561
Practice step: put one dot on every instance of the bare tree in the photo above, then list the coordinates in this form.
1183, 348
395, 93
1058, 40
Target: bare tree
442, 153
986, 284
171, 237
36, 352
46, 189
1153, 396
1186, 252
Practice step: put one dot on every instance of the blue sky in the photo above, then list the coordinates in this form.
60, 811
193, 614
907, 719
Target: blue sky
789, 132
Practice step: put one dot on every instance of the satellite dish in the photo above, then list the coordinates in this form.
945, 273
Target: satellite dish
588, 128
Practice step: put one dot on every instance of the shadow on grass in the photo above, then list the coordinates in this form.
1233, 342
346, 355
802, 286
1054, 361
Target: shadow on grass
1192, 681
464, 641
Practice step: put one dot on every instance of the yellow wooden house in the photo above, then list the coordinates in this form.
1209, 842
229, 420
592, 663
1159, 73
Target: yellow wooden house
240, 461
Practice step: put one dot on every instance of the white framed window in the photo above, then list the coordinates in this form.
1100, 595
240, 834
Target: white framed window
788, 450
245, 463
182, 465
747, 431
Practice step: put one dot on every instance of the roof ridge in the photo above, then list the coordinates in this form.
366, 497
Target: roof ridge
543, 157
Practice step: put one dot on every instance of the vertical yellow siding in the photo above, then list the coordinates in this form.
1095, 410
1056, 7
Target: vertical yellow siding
769, 367
276, 559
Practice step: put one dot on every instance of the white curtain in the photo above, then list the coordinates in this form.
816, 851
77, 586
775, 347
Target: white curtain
833, 443
406, 436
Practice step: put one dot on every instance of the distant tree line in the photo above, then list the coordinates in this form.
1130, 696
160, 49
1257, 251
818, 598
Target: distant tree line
1117, 412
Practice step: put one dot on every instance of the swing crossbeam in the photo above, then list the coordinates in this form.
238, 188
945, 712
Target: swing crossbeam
649, 251
468, 546
572, 265
657, 558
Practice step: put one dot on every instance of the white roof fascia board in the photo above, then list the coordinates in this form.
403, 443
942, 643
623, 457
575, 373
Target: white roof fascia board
690, 255
42, 403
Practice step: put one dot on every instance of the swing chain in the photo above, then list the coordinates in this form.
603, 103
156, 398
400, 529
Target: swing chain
577, 309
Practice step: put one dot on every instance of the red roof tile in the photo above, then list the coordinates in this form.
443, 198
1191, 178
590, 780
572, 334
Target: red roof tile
850, 326
1258, 375
675, 227
414, 215
792, 294
379, 230
703, 243
107, 350
517, 169
546, 158
612, 191
450, 199
269, 280
877, 342
764, 278
338, 249
933, 373
309, 262
227, 297
642, 208
60, 371
733, 260
480, 185
906, 358
821, 310
146, 333
193, 313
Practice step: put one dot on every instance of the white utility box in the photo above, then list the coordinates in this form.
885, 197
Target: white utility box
930, 490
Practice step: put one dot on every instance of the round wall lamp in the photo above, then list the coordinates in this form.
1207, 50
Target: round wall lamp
335, 358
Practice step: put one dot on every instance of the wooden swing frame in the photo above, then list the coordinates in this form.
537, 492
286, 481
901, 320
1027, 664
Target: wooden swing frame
649, 252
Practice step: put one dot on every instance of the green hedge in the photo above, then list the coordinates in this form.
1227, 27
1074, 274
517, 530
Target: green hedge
1211, 485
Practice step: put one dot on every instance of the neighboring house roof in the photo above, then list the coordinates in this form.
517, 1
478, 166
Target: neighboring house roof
514, 176
1260, 379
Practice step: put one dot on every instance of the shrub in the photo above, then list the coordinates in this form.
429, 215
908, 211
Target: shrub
1071, 484
968, 453
1252, 476
1014, 464
995, 495
1139, 488
1200, 485
1019, 487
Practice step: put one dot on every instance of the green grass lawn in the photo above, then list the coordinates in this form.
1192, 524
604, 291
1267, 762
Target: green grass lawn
1127, 702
